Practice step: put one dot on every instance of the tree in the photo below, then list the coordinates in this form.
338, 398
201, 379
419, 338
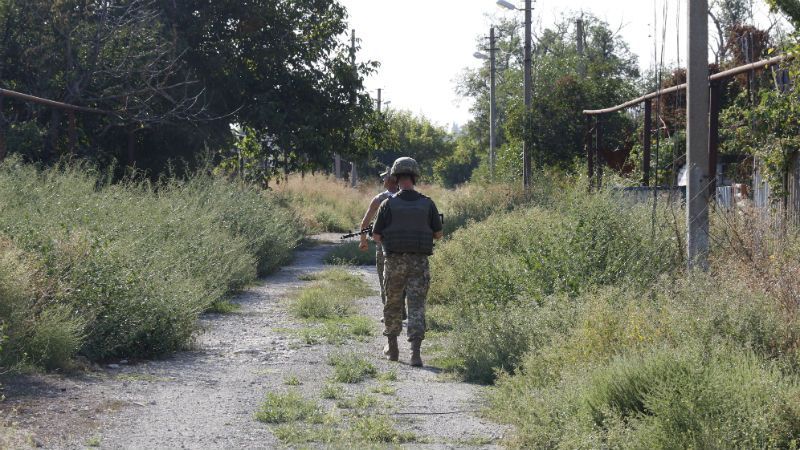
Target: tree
564, 84
417, 137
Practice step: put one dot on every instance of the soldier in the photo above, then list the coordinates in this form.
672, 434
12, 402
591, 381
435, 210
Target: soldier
406, 226
390, 184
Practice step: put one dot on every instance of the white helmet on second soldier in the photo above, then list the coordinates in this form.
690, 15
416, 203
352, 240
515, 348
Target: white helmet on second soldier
405, 166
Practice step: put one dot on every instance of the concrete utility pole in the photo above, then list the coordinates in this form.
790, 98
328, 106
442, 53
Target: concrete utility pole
353, 170
697, 98
526, 143
492, 103
379, 100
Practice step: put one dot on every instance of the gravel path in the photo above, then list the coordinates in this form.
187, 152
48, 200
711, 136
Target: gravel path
206, 397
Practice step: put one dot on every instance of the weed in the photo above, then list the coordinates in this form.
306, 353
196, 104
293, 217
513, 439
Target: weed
350, 368
379, 429
288, 407
361, 401
93, 441
292, 380
125, 269
332, 392
385, 389
348, 253
224, 307
389, 375
331, 296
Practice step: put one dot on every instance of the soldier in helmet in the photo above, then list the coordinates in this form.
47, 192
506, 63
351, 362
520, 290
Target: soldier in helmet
390, 184
406, 226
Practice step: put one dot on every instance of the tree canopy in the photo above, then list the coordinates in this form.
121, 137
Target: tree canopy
178, 74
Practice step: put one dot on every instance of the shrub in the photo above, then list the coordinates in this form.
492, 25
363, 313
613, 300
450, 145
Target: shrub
125, 269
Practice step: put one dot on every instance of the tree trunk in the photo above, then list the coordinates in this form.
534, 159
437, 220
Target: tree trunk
132, 147
3, 131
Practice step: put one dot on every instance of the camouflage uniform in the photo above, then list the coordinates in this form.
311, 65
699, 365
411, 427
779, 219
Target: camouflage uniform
379, 258
407, 272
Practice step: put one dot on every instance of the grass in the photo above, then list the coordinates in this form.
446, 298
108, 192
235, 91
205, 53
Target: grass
581, 315
331, 295
351, 368
332, 392
287, 408
324, 204
361, 401
385, 389
348, 253
125, 269
380, 429
389, 375
292, 380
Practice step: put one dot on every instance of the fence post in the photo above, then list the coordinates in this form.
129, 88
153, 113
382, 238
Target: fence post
587, 144
713, 137
597, 150
646, 134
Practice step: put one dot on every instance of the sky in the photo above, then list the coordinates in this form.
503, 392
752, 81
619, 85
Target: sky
423, 45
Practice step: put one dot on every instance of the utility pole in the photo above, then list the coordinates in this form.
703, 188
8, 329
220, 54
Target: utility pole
353, 170
379, 100
580, 39
697, 136
526, 143
492, 103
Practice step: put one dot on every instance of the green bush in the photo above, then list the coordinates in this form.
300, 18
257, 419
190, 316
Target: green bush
125, 269
690, 363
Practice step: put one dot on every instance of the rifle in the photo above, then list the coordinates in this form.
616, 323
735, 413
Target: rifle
367, 230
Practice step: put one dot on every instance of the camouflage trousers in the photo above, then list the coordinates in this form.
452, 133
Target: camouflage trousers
379, 263
409, 273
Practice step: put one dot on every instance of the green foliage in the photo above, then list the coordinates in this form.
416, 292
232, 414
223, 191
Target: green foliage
332, 295
125, 270
379, 429
350, 368
288, 407
564, 85
767, 131
349, 253
184, 76
791, 8
417, 137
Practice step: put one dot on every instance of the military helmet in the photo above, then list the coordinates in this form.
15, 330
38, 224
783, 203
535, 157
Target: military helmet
405, 166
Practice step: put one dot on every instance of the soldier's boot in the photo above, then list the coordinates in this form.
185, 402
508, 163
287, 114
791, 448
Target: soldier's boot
392, 352
416, 359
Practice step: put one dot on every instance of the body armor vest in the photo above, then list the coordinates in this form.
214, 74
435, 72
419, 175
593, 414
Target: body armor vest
409, 230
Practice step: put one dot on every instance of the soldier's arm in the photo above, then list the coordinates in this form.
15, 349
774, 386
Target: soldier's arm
368, 216
380, 222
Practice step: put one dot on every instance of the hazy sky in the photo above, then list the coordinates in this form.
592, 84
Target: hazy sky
423, 45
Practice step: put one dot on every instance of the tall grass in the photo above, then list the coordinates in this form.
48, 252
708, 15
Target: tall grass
595, 336
124, 269
325, 204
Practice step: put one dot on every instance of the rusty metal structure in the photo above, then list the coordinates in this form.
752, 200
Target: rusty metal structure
593, 140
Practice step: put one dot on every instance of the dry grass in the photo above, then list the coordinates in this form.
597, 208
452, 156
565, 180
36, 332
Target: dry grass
325, 204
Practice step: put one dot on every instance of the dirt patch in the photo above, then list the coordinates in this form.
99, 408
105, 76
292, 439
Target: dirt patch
206, 398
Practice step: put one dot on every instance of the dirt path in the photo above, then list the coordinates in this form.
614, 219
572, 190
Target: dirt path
206, 398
